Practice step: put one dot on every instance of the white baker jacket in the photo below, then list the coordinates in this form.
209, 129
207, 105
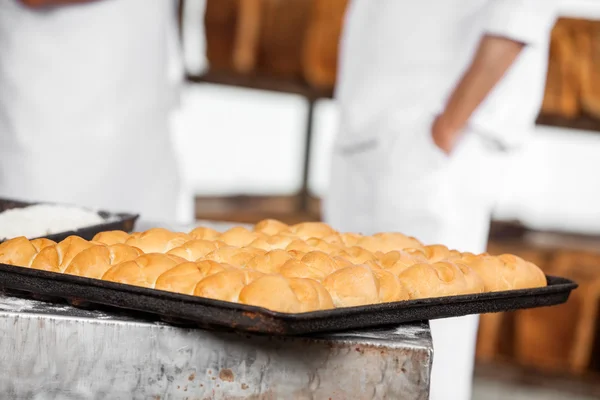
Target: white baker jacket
85, 96
398, 56
399, 62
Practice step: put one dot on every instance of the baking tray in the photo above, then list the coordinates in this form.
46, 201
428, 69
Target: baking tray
118, 221
207, 313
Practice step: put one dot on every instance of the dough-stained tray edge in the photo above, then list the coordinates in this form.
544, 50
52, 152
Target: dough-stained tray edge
214, 314
120, 221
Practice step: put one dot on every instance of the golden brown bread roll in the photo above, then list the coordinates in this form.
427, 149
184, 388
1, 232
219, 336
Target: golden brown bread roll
111, 237
157, 240
439, 280
360, 285
195, 249
238, 257
505, 272
268, 243
356, 255
94, 261
399, 260
434, 253
351, 239
294, 295
239, 236
335, 239
183, 278
226, 285
322, 245
307, 230
300, 245
18, 251
204, 233
270, 262
58, 257
270, 227
315, 265
386, 242
143, 271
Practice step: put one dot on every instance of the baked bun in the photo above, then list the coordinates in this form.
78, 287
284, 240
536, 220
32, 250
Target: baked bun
227, 285
18, 251
111, 237
315, 265
294, 295
322, 245
93, 262
195, 249
505, 272
183, 278
270, 262
386, 242
335, 239
300, 245
238, 257
143, 271
270, 227
239, 236
351, 239
307, 230
439, 280
204, 233
356, 255
157, 240
360, 285
56, 258
434, 253
399, 260
268, 243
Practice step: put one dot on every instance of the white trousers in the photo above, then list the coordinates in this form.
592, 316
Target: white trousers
404, 183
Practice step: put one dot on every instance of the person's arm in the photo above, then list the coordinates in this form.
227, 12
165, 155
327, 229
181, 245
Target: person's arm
493, 58
511, 25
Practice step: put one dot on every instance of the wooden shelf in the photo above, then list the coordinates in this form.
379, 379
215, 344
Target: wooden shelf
584, 123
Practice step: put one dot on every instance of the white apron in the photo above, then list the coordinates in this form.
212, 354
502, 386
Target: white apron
85, 96
399, 62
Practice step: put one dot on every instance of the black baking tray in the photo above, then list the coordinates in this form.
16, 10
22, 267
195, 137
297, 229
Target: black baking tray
207, 313
115, 221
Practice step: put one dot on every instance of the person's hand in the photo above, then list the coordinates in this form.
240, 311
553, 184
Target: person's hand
443, 135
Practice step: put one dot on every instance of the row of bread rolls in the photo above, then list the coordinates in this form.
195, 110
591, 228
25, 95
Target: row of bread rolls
297, 268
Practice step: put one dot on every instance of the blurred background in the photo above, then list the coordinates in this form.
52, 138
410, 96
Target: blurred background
256, 125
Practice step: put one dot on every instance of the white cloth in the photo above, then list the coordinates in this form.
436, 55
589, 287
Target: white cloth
85, 95
402, 55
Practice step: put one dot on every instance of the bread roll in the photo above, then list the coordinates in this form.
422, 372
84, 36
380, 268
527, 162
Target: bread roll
58, 257
295, 295
227, 285
143, 271
157, 240
260, 293
42, 243
239, 236
315, 265
268, 243
341, 262
356, 255
196, 249
297, 254
322, 245
111, 237
433, 253
335, 239
18, 251
183, 278
238, 257
93, 262
351, 239
307, 230
300, 245
506, 272
270, 227
399, 260
270, 262
204, 233
360, 285
439, 280
386, 242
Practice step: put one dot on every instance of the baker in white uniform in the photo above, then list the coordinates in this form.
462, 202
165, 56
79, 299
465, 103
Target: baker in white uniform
433, 94
86, 88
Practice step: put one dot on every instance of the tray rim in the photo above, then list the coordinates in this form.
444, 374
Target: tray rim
555, 285
121, 218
